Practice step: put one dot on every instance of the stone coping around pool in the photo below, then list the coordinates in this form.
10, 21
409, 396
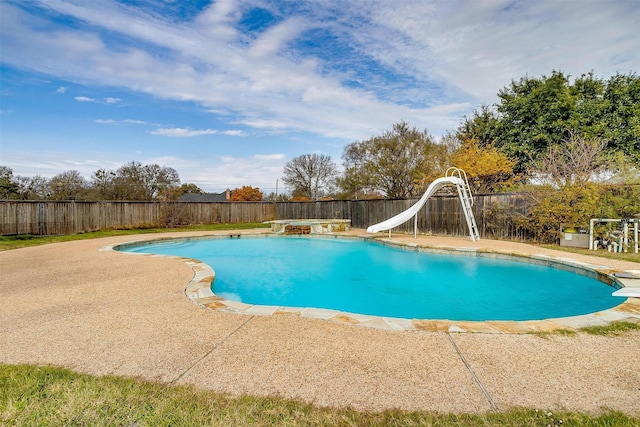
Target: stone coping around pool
198, 290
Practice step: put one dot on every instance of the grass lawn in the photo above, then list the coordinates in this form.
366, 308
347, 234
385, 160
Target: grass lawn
42, 395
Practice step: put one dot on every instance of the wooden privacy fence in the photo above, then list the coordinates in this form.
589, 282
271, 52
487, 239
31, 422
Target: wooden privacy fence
495, 214
53, 218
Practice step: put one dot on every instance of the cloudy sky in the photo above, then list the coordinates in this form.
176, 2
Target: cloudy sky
227, 91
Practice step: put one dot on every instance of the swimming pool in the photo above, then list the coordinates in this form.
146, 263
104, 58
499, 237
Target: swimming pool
369, 278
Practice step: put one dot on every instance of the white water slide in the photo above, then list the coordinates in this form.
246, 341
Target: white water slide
453, 176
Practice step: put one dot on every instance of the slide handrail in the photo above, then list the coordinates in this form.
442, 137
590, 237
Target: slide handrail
453, 176
460, 173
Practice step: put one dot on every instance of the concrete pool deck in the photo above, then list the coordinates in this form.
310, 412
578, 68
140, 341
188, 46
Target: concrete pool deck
102, 312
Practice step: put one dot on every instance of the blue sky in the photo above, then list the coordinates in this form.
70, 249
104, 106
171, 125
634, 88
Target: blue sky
227, 91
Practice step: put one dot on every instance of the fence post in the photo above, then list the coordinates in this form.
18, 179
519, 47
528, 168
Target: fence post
42, 219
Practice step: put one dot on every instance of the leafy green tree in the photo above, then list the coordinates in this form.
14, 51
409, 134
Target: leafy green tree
588, 117
310, 175
622, 115
535, 114
9, 187
16, 187
481, 126
393, 163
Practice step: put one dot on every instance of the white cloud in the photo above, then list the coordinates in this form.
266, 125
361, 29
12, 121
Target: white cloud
278, 156
84, 99
232, 171
183, 132
61, 89
187, 132
135, 122
264, 124
49, 164
106, 121
478, 47
271, 91
212, 174
219, 173
273, 42
453, 55
234, 133
110, 100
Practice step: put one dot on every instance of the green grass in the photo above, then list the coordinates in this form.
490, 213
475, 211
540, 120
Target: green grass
613, 328
43, 395
623, 256
24, 240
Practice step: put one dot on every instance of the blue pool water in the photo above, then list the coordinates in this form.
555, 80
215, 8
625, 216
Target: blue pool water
369, 278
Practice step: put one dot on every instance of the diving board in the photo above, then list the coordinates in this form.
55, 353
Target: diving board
627, 291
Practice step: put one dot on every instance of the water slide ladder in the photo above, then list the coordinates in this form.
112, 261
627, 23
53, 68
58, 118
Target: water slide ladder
466, 199
453, 176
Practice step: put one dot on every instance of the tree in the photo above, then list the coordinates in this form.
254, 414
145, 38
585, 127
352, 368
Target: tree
310, 175
572, 194
69, 185
160, 180
553, 209
9, 188
535, 114
134, 181
487, 169
393, 163
354, 182
576, 162
246, 194
103, 184
481, 126
33, 188
129, 183
18, 187
184, 189
622, 115
299, 199
273, 197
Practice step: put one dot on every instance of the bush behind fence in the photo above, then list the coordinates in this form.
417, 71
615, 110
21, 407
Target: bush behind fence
496, 214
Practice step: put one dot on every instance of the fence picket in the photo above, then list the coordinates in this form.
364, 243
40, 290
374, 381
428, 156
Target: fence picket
495, 214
